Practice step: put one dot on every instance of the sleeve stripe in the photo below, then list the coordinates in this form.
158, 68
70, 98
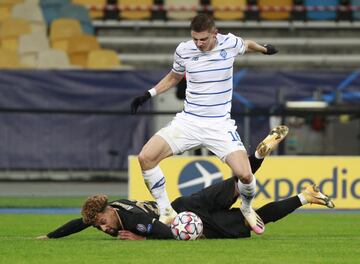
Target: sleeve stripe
235, 43
175, 70
181, 56
224, 41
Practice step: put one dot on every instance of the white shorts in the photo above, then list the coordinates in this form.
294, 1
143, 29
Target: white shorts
221, 138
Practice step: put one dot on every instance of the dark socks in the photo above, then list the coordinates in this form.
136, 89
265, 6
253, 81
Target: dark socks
255, 163
274, 211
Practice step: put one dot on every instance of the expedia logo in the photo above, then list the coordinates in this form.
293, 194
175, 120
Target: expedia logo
198, 175
338, 183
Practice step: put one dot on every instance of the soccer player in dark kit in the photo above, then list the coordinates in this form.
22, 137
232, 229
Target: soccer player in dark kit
136, 220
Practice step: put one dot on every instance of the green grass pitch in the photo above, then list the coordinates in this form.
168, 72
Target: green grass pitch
298, 238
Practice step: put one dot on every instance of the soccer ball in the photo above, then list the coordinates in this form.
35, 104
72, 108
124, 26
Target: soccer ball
186, 226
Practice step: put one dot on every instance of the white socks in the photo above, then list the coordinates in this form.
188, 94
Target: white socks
247, 193
155, 182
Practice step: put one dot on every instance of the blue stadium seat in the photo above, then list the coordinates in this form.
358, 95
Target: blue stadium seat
80, 13
51, 9
321, 15
356, 13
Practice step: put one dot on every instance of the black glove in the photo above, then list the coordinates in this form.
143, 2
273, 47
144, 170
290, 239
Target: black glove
138, 101
270, 49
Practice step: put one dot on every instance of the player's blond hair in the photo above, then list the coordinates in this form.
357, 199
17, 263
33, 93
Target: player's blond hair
93, 205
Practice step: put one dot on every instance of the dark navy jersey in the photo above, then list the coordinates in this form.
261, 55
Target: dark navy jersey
141, 218
138, 217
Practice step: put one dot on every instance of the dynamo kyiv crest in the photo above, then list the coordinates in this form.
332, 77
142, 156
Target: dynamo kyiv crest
223, 53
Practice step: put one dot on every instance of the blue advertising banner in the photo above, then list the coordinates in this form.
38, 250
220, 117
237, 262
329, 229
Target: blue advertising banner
31, 140
88, 123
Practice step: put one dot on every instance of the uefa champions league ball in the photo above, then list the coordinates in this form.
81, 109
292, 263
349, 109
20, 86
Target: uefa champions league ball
186, 226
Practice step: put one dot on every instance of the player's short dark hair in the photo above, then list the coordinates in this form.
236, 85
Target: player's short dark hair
202, 22
93, 205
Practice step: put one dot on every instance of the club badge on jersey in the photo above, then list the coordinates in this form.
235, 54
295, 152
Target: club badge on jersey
223, 53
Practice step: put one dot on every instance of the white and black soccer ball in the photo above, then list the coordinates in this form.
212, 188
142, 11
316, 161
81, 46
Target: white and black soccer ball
187, 226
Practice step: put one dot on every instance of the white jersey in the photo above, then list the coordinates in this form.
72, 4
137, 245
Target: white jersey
209, 76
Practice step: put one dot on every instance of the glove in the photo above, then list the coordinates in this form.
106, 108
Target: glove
138, 101
270, 49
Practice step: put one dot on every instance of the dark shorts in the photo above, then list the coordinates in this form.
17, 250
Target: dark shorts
213, 205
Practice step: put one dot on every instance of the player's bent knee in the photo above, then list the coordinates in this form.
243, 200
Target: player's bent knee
245, 177
146, 161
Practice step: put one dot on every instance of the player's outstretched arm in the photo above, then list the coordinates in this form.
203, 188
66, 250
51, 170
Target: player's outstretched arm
139, 101
170, 80
267, 49
270, 49
71, 227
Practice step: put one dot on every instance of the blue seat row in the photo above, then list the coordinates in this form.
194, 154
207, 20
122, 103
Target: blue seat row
54, 9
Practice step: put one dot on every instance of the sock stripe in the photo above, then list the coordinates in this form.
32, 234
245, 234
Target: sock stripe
159, 183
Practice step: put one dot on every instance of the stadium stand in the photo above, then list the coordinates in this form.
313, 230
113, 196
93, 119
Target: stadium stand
126, 7
150, 42
51, 9
227, 14
181, 9
9, 59
103, 59
321, 14
356, 13
274, 14
10, 31
79, 48
30, 45
303, 41
80, 13
95, 7
62, 30
135, 38
32, 13
5, 8
53, 59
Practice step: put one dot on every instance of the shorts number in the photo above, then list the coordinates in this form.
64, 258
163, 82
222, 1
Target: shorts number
234, 135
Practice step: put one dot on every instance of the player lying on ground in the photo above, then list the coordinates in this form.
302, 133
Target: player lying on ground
135, 220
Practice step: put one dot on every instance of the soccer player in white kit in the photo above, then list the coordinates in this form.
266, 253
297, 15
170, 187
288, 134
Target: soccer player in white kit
207, 61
